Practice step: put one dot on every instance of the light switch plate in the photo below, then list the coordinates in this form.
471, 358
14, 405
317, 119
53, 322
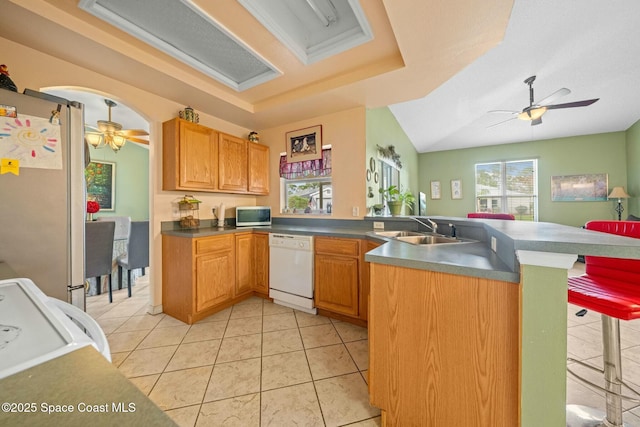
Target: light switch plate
494, 244
378, 225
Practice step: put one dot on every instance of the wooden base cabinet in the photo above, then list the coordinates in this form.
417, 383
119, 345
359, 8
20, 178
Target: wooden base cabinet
245, 263
252, 263
261, 284
337, 275
198, 275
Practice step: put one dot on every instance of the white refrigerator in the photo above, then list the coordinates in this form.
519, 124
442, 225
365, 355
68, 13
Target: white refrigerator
42, 208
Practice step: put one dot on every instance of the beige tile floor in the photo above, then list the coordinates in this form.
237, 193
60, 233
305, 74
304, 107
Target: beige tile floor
254, 364
260, 364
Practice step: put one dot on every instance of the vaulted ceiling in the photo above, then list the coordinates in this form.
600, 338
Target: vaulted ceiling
439, 65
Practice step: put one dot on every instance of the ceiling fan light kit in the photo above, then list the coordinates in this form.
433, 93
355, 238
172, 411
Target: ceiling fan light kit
536, 110
110, 134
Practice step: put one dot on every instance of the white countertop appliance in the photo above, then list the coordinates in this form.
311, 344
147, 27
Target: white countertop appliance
291, 271
35, 328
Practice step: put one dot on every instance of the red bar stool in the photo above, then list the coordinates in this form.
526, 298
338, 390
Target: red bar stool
610, 286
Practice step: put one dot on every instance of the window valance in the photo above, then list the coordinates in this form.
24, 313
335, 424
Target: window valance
307, 169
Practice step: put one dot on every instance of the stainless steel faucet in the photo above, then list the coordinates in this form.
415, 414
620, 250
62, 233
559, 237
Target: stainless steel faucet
432, 225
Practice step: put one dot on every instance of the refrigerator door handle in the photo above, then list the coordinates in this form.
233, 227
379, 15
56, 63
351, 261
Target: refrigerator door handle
77, 204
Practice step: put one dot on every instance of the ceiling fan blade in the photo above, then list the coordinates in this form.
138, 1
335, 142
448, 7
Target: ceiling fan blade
504, 111
536, 121
584, 103
90, 128
136, 132
499, 123
138, 140
555, 95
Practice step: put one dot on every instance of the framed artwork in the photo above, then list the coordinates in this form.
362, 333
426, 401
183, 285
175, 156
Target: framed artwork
456, 189
435, 190
422, 204
101, 179
304, 144
580, 188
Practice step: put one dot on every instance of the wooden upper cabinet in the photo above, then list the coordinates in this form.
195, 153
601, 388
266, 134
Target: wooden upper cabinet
258, 168
190, 156
233, 163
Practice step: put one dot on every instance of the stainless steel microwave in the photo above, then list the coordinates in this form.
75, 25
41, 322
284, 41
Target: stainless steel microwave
253, 215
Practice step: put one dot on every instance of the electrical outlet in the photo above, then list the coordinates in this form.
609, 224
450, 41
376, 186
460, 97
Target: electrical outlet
378, 225
494, 244
355, 211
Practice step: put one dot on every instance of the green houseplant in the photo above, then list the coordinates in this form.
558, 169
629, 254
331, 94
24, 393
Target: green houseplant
396, 198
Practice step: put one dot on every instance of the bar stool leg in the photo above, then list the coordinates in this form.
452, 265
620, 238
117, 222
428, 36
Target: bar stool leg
583, 416
612, 369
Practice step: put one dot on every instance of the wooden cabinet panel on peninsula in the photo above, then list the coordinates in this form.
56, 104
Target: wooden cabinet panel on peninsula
189, 156
198, 275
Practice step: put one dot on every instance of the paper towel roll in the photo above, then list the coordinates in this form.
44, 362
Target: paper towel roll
221, 212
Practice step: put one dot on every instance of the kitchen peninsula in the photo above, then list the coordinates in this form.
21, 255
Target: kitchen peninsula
463, 333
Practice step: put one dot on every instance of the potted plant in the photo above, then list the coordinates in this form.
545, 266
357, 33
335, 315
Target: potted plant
396, 198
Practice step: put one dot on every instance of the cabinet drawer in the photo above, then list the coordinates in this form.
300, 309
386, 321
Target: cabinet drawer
338, 246
213, 244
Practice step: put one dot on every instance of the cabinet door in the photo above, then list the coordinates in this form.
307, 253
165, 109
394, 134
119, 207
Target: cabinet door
232, 161
336, 283
215, 276
261, 283
245, 262
258, 168
190, 156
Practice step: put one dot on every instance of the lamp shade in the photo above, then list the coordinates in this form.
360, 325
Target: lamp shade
618, 193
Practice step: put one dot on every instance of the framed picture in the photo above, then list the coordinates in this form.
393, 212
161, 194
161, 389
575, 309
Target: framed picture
422, 204
435, 190
101, 179
580, 188
456, 189
304, 144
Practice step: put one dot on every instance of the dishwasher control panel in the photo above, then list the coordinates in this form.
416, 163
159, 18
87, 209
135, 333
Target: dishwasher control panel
290, 241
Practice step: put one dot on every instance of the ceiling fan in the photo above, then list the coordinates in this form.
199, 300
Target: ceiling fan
535, 111
109, 133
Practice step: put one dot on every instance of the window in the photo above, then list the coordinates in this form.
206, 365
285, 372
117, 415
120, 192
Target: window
508, 187
310, 196
306, 186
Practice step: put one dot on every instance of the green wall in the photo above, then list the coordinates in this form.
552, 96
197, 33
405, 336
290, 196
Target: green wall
132, 180
602, 153
383, 130
633, 170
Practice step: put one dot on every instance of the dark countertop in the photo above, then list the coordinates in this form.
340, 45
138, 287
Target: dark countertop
81, 381
469, 259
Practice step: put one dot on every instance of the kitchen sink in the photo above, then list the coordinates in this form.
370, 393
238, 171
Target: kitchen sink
396, 234
427, 239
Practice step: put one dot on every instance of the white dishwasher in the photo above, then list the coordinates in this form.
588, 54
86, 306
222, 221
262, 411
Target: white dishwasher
291, 271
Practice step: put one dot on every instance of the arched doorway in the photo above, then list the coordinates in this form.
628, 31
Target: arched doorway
129, 167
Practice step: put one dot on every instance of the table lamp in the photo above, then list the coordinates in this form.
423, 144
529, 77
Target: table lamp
619, 193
